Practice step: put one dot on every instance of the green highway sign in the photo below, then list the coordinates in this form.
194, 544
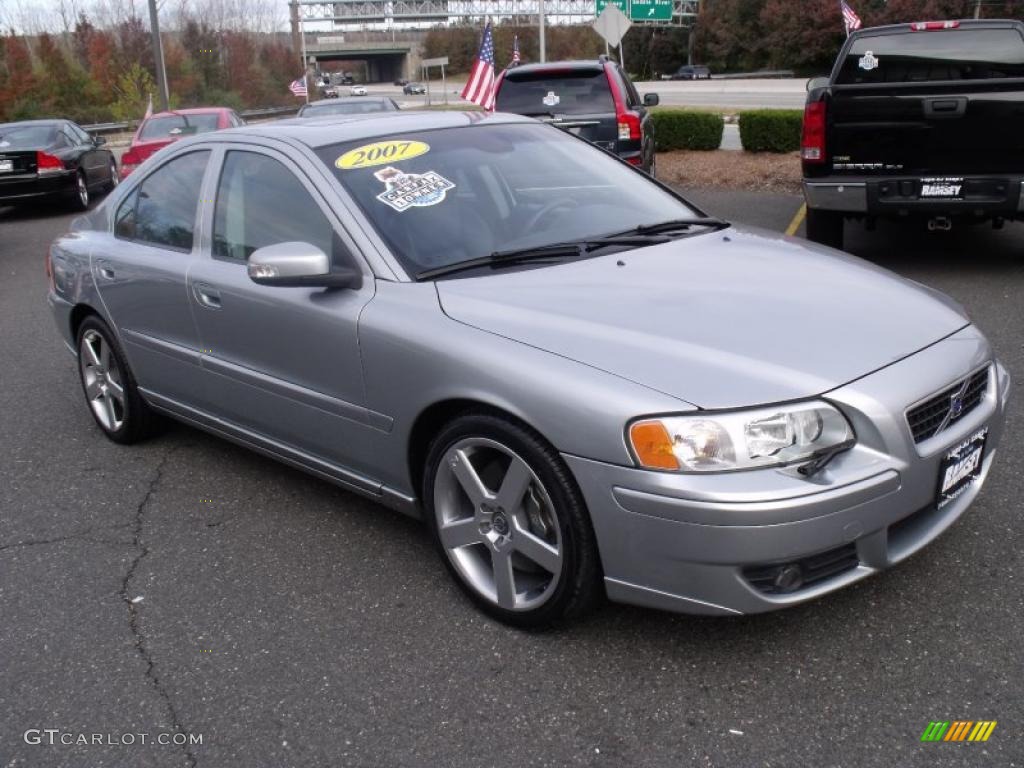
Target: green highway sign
650, 10
623, 6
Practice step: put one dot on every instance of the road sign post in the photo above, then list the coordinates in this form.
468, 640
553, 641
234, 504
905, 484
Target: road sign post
612, 24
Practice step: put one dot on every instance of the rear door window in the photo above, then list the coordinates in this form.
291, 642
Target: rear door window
162, 211
935, 55
569, 92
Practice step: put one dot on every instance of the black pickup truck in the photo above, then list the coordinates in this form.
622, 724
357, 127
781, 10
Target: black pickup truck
917, 121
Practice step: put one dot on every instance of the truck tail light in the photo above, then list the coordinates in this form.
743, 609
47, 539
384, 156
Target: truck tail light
129, 162
628, 122
629, 126
931, 26
812, 146
46, 163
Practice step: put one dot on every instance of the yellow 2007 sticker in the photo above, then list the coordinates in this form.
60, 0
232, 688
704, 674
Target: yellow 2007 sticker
380, 153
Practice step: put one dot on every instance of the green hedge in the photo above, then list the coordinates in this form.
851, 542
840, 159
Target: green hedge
683, 129
771, 130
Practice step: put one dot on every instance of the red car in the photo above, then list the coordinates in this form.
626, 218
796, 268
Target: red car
159, 130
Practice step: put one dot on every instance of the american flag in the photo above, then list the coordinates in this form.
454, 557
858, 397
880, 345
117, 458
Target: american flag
850, 18
298, 87
515, 50
479, 88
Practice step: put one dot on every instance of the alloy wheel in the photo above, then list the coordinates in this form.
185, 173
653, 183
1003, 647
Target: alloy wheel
83, 191
497, 524
103, 380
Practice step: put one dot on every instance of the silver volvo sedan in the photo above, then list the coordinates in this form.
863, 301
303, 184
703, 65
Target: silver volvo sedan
582, 383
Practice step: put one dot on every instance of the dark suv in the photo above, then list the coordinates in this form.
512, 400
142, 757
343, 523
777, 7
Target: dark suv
594, 100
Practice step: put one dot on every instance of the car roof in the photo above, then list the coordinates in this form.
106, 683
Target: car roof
344, 99
525, 69
333, 129
54, 121
192, 111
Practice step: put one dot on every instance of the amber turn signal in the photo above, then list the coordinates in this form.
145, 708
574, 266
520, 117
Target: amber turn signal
653, 445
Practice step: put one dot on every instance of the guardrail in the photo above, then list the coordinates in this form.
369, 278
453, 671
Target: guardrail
246, 114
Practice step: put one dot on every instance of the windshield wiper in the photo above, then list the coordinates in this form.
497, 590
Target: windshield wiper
572, 249
675, 225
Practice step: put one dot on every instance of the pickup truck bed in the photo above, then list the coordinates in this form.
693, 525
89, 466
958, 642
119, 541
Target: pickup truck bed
918, 121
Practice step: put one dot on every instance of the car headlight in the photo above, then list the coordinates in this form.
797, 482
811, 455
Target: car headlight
736, 440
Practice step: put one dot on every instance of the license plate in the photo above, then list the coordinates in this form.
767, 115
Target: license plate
960, 467
950, 188
6, 166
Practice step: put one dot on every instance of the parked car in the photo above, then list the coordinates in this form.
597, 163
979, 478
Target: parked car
594, 100
348, 105
357, 90
163, 128
582, 382
48, 161
413, 89
692, 72
917, 122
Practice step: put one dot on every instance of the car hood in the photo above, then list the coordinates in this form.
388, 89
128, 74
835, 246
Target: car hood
736, 318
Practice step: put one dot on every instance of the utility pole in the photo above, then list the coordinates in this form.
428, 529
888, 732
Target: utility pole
540, 13
158, 58
977, 9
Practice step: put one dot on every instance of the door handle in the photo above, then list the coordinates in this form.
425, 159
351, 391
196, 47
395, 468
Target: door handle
955, 107
206, 295
105, 271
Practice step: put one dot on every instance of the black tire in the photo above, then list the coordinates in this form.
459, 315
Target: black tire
825, 227
80, 197
115, 179
579, 587
137, 420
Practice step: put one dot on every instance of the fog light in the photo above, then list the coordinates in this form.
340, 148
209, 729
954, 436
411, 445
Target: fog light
789, 578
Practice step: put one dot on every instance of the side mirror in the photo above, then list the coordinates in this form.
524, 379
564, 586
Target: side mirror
299, 265
99, 141
817, 82
651, 99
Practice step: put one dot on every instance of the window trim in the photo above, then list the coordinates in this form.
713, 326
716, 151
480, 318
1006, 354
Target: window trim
134, 189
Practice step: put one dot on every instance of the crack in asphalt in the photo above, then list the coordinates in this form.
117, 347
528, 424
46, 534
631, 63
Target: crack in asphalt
83, 535
133, 610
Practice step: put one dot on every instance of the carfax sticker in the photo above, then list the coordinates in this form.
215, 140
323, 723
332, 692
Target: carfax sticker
868, 61
380, 153
412, 190
552, 99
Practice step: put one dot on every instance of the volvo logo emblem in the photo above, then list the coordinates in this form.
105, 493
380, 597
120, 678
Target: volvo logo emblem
956, 406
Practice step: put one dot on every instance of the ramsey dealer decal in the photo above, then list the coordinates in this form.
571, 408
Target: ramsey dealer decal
412, 190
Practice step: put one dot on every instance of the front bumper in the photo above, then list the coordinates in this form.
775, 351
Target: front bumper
691, 543
983, 197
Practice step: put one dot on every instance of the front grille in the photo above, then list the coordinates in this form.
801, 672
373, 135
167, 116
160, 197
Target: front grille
813, 569
932, 416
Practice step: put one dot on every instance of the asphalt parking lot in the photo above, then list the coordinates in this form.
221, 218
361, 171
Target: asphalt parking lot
189, 585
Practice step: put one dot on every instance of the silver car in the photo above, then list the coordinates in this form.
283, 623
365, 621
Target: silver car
583, 384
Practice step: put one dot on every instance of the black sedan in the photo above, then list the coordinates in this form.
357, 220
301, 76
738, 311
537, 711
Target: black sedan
411, 89
53, 160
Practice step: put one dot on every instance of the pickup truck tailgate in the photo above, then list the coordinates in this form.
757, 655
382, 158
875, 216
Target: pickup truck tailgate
941, 102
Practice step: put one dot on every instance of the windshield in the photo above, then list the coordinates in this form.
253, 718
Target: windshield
26, 137
445, 196
571, 92
178, 125
936, 55
345, 108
